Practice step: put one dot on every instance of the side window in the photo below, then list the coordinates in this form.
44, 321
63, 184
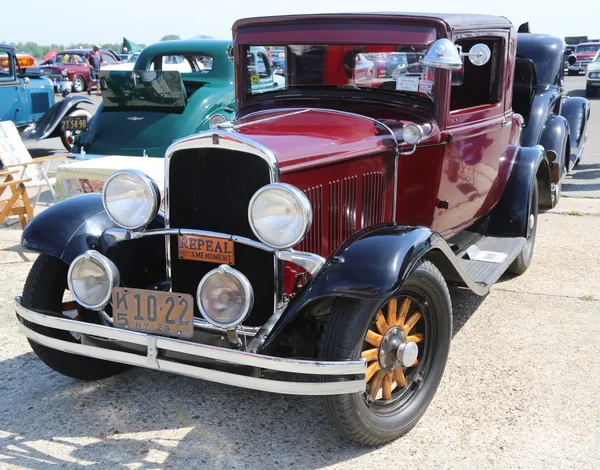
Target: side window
6, 66
109, 59
473, 85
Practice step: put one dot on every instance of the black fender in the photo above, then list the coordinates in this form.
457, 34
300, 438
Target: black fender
554, 137
72, 226
49, 122
372, 264
576, 110
541, 107
509, 217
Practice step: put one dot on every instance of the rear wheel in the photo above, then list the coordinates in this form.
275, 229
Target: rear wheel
573, 72
522, 262
44, 291
78, 84
406, 345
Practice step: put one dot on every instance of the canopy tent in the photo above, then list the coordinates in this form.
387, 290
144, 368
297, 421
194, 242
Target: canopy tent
131, 46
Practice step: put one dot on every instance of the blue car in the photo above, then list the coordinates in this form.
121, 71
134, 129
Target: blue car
27, 99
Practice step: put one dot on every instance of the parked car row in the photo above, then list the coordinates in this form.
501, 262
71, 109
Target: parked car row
308, 227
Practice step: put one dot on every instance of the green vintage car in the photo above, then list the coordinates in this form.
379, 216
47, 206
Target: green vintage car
175, 88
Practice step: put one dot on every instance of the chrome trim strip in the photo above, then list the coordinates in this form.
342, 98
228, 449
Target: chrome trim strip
155, 343
308, 261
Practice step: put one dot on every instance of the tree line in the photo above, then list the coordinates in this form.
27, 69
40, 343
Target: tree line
38, 51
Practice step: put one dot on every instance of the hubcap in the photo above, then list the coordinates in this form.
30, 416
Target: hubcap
392, 348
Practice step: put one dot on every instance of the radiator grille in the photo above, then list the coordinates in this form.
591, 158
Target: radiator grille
209, 189
39, 103
342, 210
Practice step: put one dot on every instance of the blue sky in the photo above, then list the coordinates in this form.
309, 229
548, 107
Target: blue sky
107, 21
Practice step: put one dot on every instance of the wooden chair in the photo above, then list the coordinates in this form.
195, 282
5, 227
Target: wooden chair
18, 203
33, 172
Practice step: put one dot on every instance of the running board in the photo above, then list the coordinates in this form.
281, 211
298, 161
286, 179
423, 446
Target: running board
486, 260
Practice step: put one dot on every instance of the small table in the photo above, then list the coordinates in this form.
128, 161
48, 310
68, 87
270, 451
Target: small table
88, 176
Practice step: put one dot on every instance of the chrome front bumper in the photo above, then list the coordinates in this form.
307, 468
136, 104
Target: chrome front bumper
154, 345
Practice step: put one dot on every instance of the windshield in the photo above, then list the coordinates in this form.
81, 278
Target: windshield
596, 57
70, 58
391, 70
587, 48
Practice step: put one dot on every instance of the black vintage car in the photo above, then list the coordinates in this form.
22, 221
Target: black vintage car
553, 120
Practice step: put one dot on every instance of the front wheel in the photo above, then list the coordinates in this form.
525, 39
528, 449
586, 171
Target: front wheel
573, 72
405, 344
46, 291
590, 91
78, 84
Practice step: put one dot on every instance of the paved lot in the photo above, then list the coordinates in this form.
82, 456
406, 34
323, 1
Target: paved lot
521, 389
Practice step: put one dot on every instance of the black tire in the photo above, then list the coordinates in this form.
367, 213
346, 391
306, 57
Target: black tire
44, 289
522, 262
79, 84
572, 72
64, 135
343, 339
590, 91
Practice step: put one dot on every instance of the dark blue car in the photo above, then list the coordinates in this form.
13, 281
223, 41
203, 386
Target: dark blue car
27, 99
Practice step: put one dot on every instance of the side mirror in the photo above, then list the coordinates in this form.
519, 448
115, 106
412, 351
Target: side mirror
444, 54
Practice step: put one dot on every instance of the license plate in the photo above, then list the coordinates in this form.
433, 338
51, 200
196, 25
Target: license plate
210, 249
165, 313
74, 123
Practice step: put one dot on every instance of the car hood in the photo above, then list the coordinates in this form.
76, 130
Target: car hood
594, 67
305, 137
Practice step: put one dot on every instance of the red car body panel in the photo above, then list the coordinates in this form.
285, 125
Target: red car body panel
74, 70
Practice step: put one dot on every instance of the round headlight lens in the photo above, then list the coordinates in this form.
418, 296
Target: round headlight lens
225, 297
412, 134
217, 119
91, 279
280, 215
63, 73
594, 74
130, 199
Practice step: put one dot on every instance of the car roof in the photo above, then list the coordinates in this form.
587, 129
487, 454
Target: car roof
546, 41
7, 46
207, 46
452, 20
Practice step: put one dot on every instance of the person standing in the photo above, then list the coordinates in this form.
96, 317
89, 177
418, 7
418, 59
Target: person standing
94, 61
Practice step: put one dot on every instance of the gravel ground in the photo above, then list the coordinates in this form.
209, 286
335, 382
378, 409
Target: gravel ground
520, 390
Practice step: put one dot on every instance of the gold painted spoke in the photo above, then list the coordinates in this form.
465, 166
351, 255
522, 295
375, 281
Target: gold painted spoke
414, 338
411, 322
376, 384
370, 354
373, 367
404, 308
392, 308
387, 386
373, 338
400, 379
381, 324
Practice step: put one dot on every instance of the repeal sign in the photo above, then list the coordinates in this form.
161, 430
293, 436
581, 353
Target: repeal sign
210, 249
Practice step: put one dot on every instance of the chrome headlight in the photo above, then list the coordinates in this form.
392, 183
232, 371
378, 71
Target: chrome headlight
216, 120
63, 73
225, 297
280, 215
412, 134
130, 198
91, 279
594, 74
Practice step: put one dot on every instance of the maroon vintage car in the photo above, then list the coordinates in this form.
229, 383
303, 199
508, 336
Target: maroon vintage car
306, 247
77, 70
582, 56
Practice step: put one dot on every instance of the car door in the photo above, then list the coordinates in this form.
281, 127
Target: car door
13, 103
479, 133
